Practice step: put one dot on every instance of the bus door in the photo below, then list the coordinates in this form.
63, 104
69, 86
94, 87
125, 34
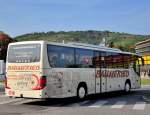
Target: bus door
100, 82
103, 71
137, 63
97, 72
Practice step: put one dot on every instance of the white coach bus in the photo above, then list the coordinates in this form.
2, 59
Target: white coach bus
40, 69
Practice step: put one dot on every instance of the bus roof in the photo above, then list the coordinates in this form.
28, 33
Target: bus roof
90, 46
76, 45
27, 42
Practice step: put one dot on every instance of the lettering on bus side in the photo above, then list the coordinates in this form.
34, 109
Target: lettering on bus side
23, 68
112, 74
56, 74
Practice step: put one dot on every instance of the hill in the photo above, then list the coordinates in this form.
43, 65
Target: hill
123, 41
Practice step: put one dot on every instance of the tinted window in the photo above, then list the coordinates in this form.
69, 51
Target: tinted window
99, 59
118, 61
84, 58
103, 59
129, 60
60, 56
24, 53
96, 59
109, 60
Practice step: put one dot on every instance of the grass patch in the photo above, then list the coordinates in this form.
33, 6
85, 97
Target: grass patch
145, 81
147, 96
2, 82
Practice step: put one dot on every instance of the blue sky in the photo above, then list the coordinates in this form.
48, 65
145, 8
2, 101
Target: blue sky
25, 16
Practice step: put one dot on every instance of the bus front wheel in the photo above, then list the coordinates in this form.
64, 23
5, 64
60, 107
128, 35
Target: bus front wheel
127, 87
81, 92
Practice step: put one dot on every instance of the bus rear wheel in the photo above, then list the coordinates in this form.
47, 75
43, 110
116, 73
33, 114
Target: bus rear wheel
81, 92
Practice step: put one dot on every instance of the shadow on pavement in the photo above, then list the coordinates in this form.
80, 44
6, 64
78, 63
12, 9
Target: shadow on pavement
59, 102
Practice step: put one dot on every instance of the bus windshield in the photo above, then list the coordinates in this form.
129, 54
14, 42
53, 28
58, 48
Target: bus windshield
24, 53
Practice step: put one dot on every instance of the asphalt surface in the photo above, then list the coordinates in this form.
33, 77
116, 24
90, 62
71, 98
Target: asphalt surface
1, 88
103, 104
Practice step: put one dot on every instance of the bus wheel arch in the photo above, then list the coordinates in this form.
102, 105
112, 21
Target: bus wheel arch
82, 90
127, 86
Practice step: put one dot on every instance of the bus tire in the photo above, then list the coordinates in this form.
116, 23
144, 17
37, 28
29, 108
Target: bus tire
127, 87
81, 92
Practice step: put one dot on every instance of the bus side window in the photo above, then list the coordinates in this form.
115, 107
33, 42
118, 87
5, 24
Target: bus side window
96, 59
55, 61
127, 61
84, 58
108, 60
103, 57
60, 57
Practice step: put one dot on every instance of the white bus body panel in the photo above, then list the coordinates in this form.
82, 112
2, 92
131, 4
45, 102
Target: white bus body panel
63, 82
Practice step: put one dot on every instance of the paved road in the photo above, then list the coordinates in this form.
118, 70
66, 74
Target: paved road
106, 104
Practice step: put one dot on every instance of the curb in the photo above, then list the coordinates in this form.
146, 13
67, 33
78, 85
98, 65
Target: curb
146, 99
145, 85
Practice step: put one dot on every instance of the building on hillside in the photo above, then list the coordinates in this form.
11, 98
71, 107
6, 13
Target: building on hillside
143, 48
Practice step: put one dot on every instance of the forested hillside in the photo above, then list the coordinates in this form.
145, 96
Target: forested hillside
123, 41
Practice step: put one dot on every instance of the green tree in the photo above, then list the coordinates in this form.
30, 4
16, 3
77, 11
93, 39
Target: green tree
4, 41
